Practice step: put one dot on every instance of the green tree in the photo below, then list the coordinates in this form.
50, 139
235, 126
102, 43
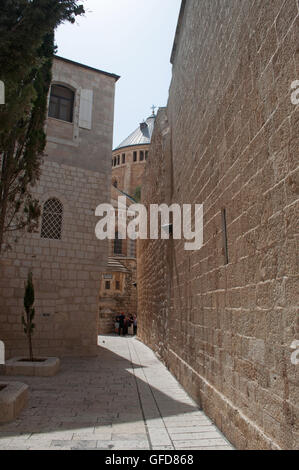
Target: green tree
26, 55
27, 319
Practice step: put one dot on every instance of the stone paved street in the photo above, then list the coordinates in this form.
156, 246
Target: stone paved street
123, 399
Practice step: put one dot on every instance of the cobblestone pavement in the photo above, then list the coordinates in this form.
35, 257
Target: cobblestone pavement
123, 399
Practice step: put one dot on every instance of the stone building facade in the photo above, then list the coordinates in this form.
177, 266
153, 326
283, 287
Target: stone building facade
65, 257
223, 318
129, 158
118, 291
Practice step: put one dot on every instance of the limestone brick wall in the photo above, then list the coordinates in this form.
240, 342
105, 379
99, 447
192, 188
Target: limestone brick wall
66, 272
229, 140
77, 171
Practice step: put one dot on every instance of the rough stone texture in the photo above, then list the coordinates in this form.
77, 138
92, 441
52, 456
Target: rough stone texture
47, 368
66, 272
229, 139
13, 398
131, 402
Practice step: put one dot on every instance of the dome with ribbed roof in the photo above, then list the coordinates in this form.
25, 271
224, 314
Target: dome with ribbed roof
141, 136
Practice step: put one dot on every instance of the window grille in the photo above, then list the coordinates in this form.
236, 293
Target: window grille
52, 220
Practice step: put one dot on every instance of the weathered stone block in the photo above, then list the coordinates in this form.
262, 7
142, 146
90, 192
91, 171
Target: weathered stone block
13, 398
44, 368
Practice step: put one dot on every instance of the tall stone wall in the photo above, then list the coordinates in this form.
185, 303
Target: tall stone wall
229, 140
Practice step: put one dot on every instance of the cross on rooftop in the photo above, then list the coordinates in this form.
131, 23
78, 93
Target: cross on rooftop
153, 108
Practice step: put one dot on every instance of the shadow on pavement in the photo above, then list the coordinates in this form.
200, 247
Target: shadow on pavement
91, 393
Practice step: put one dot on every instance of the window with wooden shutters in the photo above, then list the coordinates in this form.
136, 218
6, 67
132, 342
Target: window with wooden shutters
52, 220
61, 103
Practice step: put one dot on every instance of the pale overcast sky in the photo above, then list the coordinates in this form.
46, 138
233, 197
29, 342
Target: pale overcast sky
131, 38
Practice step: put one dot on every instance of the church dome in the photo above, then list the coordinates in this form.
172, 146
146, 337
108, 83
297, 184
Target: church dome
141, 136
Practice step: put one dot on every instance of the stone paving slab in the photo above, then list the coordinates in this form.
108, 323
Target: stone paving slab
123, 399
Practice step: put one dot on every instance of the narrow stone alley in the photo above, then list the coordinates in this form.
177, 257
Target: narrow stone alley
123, 399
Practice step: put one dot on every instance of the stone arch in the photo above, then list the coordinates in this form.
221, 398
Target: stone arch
76, 88
67, 215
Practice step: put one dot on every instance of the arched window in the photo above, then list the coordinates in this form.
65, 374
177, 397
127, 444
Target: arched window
52, 220
61, 103
118, 245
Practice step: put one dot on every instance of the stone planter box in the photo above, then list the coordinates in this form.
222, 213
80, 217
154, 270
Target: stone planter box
46, 367
13, 398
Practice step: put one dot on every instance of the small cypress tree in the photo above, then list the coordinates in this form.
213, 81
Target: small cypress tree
28, 317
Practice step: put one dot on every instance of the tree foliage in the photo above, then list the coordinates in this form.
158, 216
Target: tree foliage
26, 55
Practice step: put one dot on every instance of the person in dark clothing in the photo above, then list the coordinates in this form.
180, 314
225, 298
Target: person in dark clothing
121, 320
135, 325
126, 326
